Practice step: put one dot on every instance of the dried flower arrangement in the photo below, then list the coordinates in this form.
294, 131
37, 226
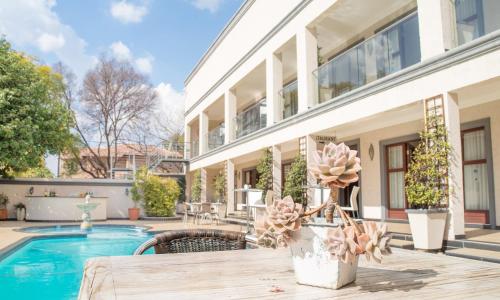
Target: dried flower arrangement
336, 167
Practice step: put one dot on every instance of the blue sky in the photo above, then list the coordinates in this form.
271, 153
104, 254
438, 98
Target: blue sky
163, 39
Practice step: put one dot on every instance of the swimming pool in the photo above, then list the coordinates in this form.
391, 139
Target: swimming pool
51, 267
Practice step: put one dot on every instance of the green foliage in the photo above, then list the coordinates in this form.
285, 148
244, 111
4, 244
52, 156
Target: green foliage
426, 179
196, 187
158, 195
34, 120
20, 205
4, 199
265, 171
295, 179
220, 186
37, 172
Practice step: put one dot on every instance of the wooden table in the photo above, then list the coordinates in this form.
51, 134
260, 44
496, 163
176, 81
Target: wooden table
251, 274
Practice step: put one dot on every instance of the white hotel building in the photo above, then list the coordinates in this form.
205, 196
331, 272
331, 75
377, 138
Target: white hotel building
291, 74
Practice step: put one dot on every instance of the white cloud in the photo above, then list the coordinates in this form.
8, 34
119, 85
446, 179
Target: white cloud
120, 51
144, 64
127, 12
210, 5
170, 106
33, 23
48, 42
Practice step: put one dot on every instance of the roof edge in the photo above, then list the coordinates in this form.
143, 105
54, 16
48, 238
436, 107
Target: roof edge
225, 31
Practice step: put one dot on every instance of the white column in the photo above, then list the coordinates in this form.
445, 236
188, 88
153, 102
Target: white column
311, 181
456, 224
229, 115
187, 141
230, 185
203, 175
307, 63
274, 84
436, 20
277, 188
203, 132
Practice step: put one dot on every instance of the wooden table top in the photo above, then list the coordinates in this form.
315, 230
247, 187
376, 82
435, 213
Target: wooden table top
252, 274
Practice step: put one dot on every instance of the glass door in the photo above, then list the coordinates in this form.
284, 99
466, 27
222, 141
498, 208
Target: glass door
398, 156
475, 170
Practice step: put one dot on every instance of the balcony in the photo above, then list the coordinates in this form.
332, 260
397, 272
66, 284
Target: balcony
476, 18
195, 148
251, 119
289, 100
390, 50
215, 137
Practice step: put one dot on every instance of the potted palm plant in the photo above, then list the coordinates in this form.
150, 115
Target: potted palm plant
4, 199
137, 195
324, 256
20, 211
426, 187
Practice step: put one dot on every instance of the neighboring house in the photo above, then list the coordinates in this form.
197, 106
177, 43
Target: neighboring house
291, 75
129, 158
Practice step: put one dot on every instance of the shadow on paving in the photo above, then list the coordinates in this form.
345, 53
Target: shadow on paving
376, 280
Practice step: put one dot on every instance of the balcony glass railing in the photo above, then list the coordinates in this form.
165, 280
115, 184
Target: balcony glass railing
251, 119
476, 18
195, 148
289, 100
390, 50
215, 137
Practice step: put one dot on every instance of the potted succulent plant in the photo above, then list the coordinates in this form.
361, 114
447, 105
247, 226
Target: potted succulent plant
4, 199
324, 256
426, 187
20, 211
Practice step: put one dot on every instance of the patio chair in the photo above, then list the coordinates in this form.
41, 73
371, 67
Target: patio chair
218, 212
354, 202
195, 240
205, 213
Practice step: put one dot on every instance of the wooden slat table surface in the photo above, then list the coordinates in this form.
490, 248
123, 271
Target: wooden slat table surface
251, 274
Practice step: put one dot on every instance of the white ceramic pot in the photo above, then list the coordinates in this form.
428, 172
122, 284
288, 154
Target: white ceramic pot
427, 227
314, 265
21, 214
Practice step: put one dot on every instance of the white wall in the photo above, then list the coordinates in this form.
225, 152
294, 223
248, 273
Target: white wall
117, 204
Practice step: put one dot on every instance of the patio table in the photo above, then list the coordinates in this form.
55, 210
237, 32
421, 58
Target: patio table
252, 274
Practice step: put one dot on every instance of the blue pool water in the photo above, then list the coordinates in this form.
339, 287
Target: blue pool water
51, 268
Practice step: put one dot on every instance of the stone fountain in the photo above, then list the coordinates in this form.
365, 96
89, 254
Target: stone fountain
86, 207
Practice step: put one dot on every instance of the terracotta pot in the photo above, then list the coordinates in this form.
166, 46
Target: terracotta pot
427, 227
3, 213
133, 213
313, 264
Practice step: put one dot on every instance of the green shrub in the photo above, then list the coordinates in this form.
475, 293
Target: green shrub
196, 187
157, 195
220, 186
265, 171
428, 170
295, 179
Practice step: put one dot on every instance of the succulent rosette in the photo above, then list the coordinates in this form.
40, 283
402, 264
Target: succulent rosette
341, 243
378, 243
282, 219
336, 165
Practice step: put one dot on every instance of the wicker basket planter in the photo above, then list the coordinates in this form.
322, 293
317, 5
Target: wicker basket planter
314, 265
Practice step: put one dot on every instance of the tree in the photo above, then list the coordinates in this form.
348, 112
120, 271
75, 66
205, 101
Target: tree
295, 180
34, 121
265, 171
114, 97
